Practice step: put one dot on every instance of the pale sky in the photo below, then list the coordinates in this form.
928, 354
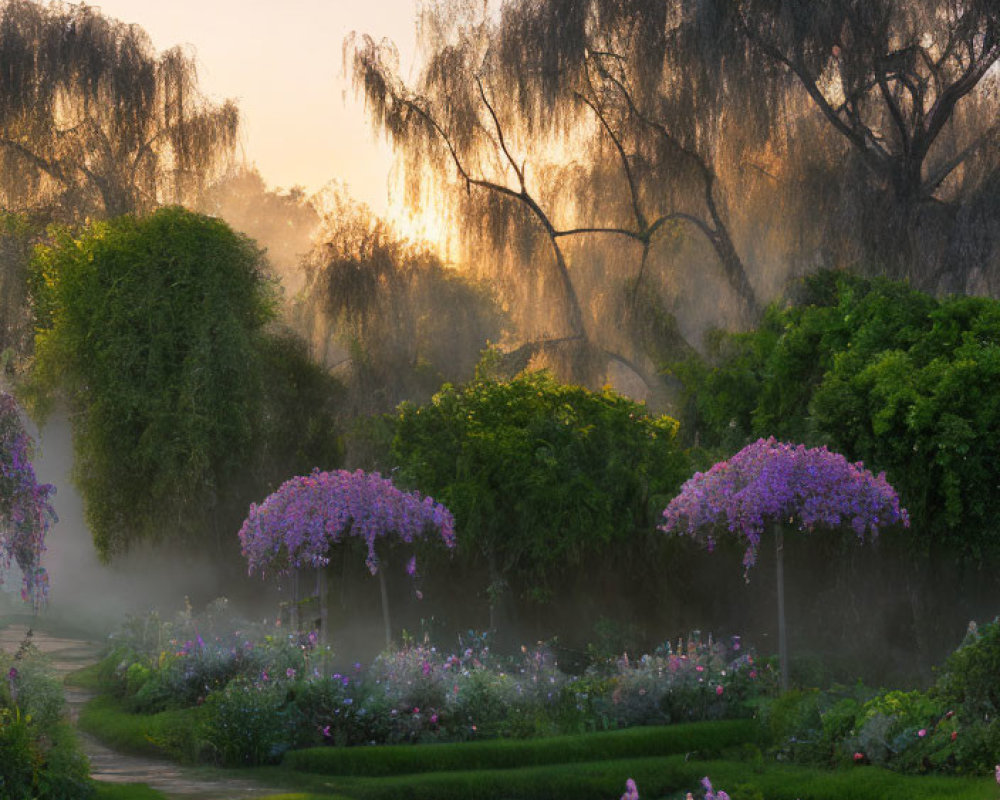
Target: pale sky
282, 62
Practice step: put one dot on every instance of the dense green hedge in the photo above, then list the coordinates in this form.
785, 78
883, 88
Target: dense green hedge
706, 737
658, 777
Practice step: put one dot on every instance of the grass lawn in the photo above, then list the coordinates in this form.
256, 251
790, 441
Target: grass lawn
657, 777
666, 762
126, 791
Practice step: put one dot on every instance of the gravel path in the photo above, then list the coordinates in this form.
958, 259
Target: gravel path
66, 655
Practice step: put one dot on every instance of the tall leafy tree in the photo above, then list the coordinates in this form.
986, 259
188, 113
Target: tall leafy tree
94, 119
540, 476
154, 330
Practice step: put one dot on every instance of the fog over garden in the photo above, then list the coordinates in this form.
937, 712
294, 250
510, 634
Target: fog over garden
609, 399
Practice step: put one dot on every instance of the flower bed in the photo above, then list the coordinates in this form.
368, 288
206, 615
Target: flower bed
264, 691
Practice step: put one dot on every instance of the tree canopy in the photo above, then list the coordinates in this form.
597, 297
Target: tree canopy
600, 148
539, 475
298, 524
94, 120
882, 373
388, 314
154, 329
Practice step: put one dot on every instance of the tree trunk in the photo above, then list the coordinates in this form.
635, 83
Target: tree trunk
779, 539
385, 607
293, 605
324, 616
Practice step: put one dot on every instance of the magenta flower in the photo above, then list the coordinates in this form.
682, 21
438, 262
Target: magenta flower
631, 791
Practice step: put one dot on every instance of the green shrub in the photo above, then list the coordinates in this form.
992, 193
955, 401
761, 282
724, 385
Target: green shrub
248, 723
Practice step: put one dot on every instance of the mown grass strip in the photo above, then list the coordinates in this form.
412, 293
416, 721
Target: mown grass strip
656, 777
168, 733
705, 738
126, 791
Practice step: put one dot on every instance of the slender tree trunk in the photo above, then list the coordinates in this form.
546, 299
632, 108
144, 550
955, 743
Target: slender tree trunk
779, 539
293, 611
324, 616
385, 606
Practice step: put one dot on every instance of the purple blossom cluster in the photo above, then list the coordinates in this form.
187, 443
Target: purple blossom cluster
296, 525
25, 509
771, 481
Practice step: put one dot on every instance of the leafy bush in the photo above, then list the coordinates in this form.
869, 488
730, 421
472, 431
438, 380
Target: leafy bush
539, 474
39, 756
248, 723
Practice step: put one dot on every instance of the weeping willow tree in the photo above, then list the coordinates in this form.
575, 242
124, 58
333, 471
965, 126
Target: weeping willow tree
387, 314
93, 119
909, 90
531, 143
624, 148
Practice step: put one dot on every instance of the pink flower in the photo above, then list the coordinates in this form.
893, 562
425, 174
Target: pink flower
753, 674
290, 673
718, 691
859, 756
434, 719
631, 791
922, 733
700, 668
954, 735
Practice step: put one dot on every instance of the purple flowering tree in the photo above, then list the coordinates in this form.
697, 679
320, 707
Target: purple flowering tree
773, 484
297, 525
25, 511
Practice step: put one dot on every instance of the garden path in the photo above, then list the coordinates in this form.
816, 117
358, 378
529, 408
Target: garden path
183, 783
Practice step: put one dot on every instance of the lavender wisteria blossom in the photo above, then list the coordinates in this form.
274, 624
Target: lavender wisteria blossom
770, 481
25, 509
297, 525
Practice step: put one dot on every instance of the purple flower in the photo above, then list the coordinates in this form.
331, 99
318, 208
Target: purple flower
296, 525
771, 481
631, 791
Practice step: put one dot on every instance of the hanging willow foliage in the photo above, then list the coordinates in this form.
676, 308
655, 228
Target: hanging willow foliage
712, 147
91, 115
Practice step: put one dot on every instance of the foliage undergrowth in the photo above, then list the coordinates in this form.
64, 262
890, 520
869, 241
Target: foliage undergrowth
39, 757
952, 727
255, 693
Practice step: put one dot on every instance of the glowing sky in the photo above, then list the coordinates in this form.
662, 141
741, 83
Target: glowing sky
282, 62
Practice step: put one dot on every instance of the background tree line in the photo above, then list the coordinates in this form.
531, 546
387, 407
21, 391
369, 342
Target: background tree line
619, 177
